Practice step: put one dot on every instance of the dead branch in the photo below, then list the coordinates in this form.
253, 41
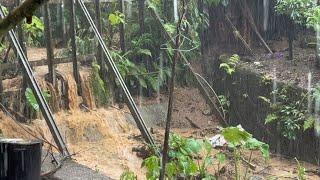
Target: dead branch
25, 10
237, 35
247, 13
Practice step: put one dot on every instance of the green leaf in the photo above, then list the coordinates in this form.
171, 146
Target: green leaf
128, 175
145, 52
264, 149
193, 146
153, 167
171, 170
116, 18
271, 118
221, 157
143, 82
265, 99
235, 135
171, 28
254, 144
309, 123
31, 99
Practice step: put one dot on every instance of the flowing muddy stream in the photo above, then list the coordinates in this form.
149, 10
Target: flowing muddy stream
103, 139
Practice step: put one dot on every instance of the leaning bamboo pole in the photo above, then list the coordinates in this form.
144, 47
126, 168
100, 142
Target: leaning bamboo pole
212, 101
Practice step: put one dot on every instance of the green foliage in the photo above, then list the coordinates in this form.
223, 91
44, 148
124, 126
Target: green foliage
254, 144
313, 18
85, 43
182, 162
296, 9
139, 46
34, 31
235, 136
308, 123
32, 101
292, 116
265, 99
128, 175
116, 18
229, 64
137, 75
153, 167
271, 118
224, 102
301, 171
99, 88
305, 12
266, 79
238, 140
171, 28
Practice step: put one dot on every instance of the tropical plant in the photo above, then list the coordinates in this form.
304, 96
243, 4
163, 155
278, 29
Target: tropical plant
34, 31
136, 75
32, 101
224, 102
139, 46
116, 18
291, 116
229, 64
300, 170
182, 162
128, 175
296, 9
240, 140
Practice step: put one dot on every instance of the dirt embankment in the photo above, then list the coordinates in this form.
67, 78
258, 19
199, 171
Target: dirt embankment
103, 139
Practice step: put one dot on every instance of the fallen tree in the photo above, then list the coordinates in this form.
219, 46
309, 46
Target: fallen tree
25, 10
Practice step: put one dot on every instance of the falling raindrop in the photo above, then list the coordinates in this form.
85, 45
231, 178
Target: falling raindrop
175, 10
140, 96
266, 4
309, 92
160, 77
274, 101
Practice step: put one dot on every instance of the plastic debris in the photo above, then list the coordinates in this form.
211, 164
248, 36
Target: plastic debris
217, 141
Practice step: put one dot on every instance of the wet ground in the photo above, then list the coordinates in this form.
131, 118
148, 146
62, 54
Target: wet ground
103, 140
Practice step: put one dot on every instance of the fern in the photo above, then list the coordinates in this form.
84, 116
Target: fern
308, 123
271, 118
229, 65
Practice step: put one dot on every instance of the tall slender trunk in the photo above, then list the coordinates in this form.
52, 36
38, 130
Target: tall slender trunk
290, 32
176, 57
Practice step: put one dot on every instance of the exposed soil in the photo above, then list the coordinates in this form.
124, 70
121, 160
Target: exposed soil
103, 139
278, 66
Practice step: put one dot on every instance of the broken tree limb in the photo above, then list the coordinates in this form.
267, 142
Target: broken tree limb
237, 35
194, 125
25, 10
247, 13
211, 102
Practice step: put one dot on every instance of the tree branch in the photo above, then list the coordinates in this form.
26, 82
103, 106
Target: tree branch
25, 10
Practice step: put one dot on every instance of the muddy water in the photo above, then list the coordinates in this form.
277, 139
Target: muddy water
99, 139
102, 139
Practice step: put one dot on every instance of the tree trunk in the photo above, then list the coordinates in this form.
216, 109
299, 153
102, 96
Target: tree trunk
50, 53
290, 32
